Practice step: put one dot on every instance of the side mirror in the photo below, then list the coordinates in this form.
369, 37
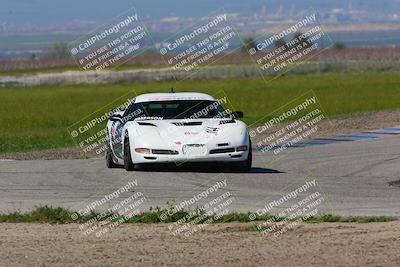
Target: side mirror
237, 114
116, 117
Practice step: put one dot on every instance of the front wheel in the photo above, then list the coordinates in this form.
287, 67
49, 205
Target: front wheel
109, 158
246, 165
243, 166
128, 164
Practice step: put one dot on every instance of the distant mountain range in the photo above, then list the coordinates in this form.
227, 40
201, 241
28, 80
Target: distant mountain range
29, 27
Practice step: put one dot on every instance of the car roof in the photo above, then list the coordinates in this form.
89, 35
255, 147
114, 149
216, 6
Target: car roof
172, 96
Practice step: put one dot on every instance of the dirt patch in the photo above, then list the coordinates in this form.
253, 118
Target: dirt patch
361, 122
333, 244
65, 153
395, 183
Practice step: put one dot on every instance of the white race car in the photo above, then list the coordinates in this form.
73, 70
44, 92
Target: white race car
177, 128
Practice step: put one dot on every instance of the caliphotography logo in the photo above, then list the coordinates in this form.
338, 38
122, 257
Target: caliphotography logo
298, 123
207, 41
300, 202
288, 46
211, 203
91, 134
111, 44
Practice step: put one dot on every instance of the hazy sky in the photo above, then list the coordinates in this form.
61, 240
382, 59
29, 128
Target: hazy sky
52, 11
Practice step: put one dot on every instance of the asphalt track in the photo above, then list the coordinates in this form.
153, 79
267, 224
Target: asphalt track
352, 176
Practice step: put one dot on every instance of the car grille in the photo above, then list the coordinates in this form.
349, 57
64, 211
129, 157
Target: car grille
222, 150
164, 152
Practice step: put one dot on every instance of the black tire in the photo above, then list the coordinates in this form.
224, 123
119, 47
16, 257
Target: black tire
128, 164
246, 165
249, 163
110, 159
243, 166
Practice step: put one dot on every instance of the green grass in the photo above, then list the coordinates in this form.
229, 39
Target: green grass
37, 118
46, 214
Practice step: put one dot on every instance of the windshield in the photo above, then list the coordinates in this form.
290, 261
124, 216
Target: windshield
176, 109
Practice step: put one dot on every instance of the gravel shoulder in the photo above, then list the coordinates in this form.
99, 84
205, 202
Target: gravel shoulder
354, 123
325, 244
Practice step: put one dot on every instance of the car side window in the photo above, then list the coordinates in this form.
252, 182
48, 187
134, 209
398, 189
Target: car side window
127, 110
135, 110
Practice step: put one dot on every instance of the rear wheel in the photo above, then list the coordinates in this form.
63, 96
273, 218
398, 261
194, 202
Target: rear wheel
128, 164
